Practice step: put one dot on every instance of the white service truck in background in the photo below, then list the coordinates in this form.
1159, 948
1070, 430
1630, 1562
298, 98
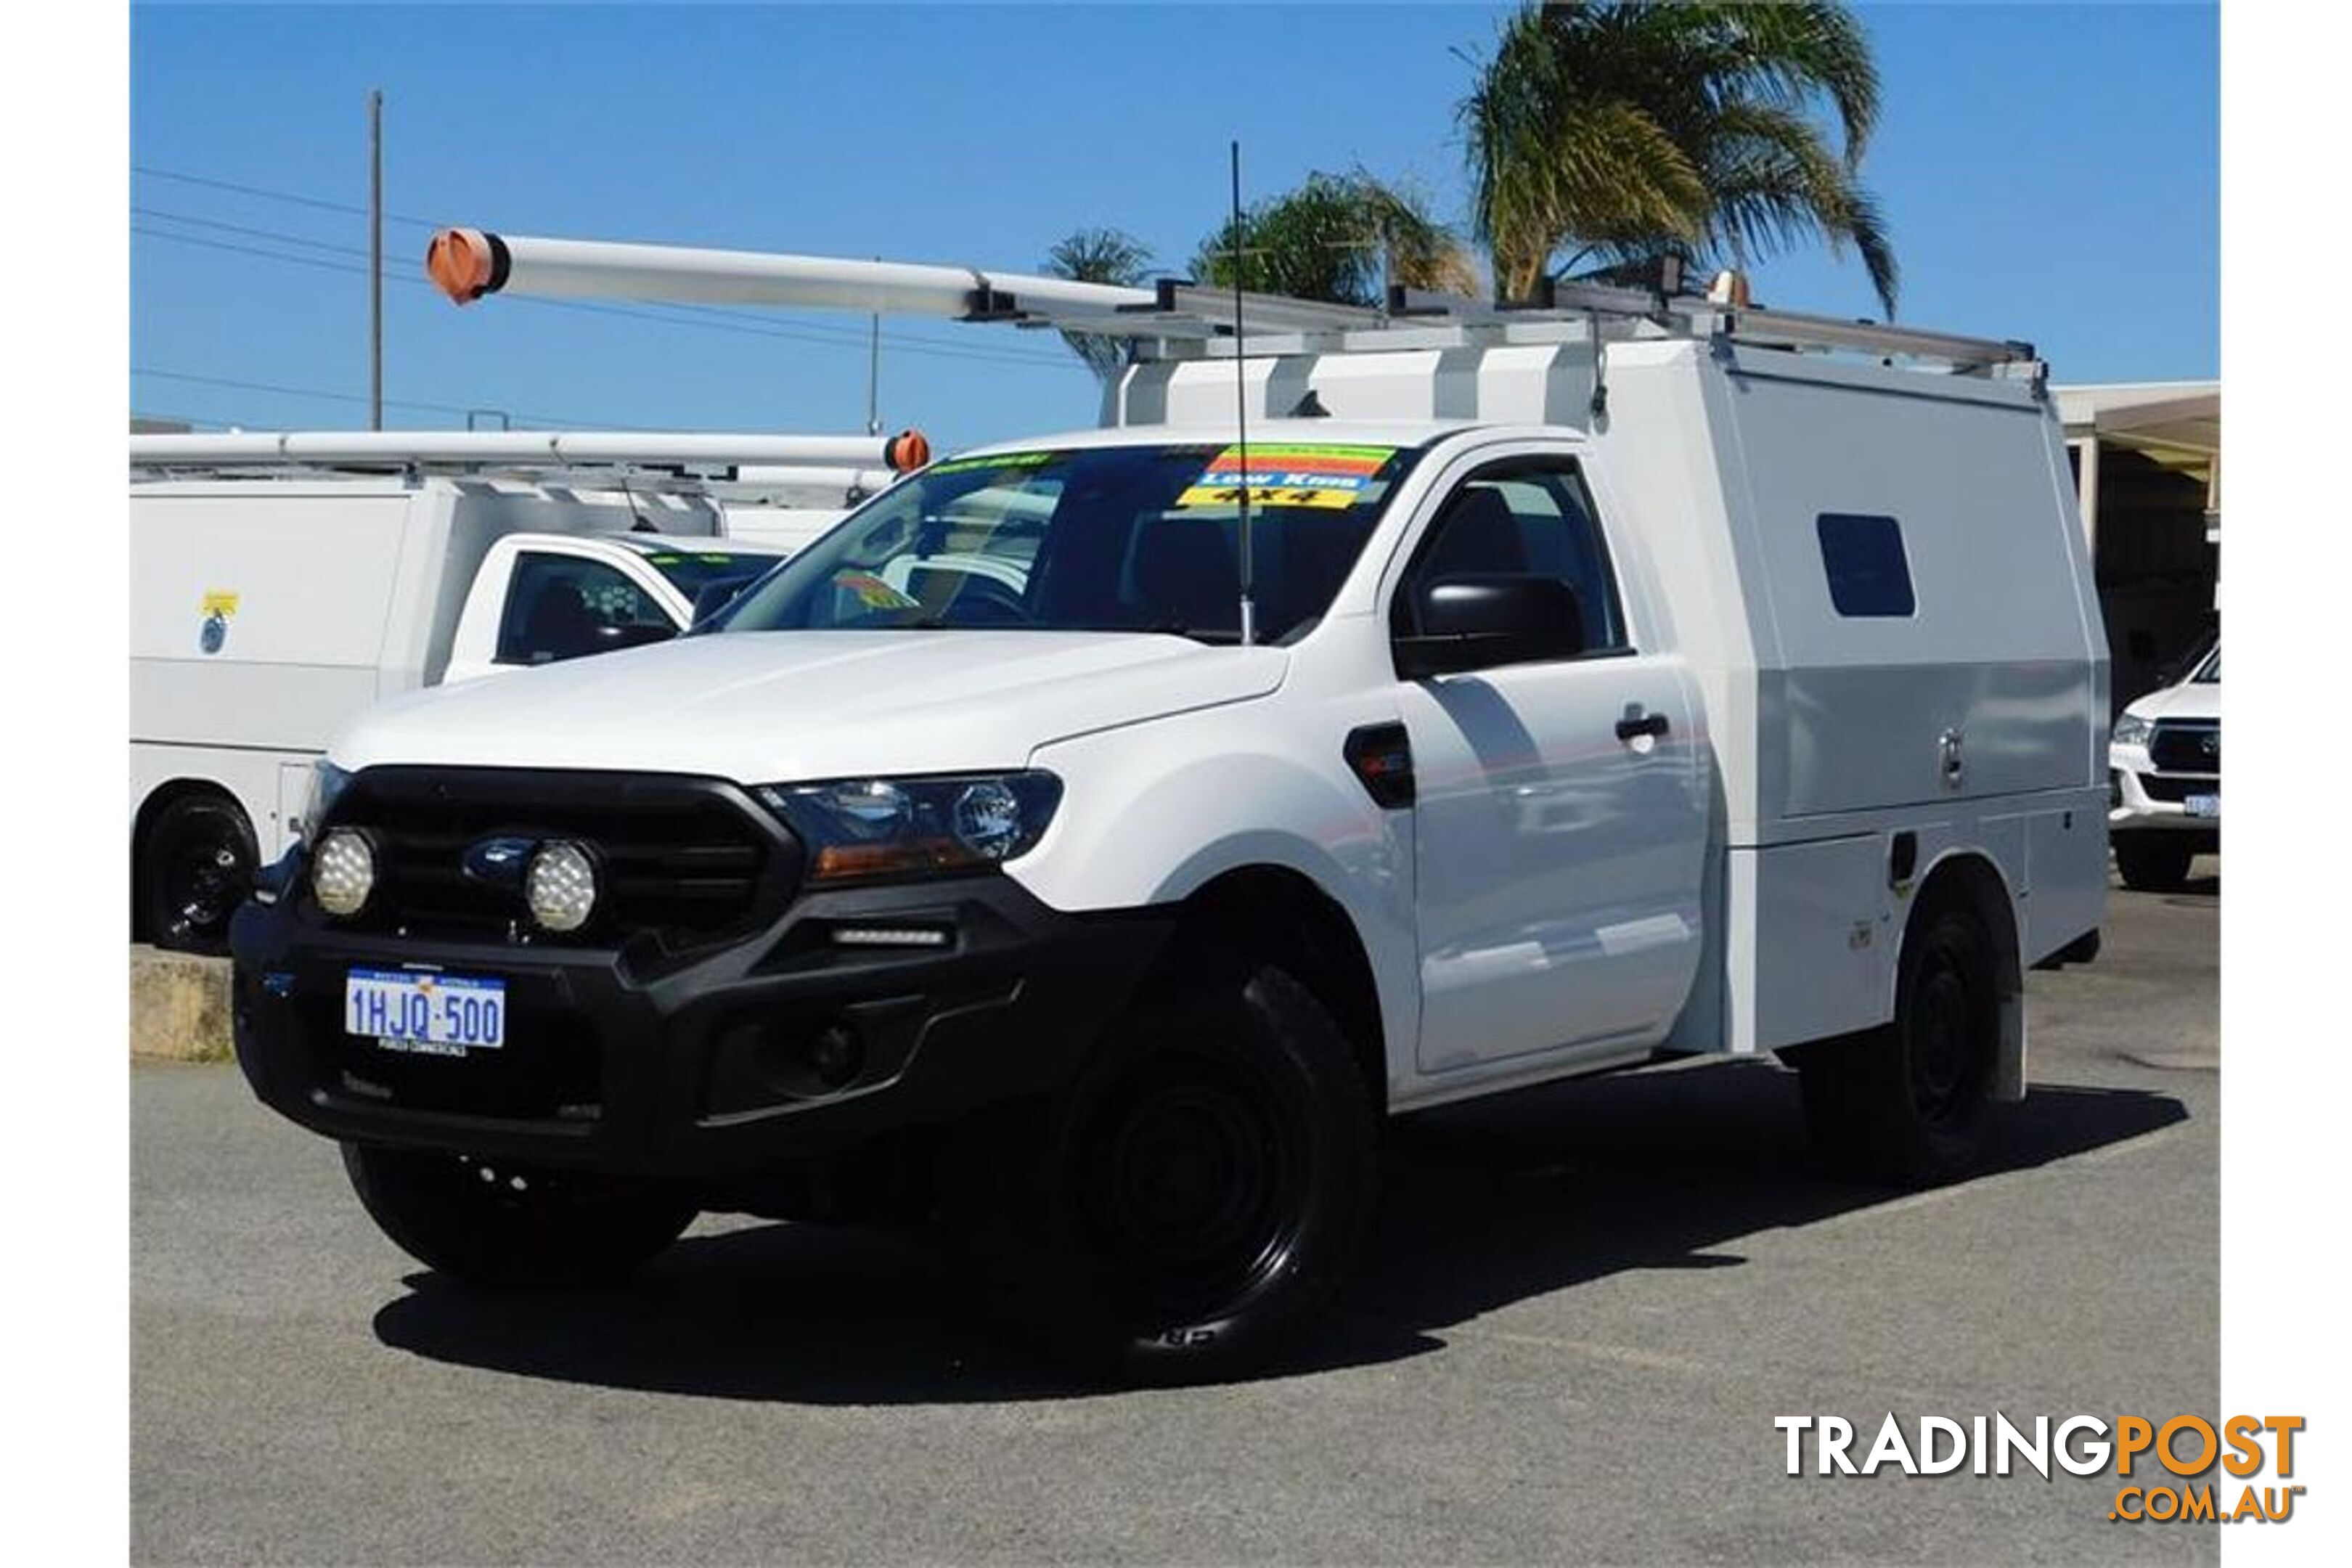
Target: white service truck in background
282, 582
1090, 840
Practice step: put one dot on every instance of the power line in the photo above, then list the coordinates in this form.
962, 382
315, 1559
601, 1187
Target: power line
275, 195
914, 343
138, 211
325, 394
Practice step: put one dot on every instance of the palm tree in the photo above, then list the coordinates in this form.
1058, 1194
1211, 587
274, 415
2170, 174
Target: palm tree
1338, 237
1099, 256
1620, 130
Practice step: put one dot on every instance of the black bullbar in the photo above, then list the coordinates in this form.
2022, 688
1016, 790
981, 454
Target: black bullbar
845, 1014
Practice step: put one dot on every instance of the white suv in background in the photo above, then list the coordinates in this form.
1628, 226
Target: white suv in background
2165, 762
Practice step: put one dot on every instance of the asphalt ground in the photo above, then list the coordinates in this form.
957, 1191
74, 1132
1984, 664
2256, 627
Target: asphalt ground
1581, 1310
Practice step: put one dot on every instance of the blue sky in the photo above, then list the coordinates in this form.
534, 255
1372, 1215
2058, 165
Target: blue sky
2050, 171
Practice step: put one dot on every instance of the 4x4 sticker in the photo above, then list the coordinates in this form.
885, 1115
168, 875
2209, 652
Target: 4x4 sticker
1333, 478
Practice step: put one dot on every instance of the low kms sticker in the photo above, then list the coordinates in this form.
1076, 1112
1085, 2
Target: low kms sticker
1332, 478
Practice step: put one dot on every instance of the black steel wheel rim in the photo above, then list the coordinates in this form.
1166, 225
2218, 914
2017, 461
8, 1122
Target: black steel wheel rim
1946, 1018
1194, 1182
201, 883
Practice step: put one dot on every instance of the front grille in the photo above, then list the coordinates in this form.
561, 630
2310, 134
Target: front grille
2164, 787
2186, 746
685, 861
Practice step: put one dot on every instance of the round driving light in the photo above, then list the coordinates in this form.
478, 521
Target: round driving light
560, 887
988, 819
342, 872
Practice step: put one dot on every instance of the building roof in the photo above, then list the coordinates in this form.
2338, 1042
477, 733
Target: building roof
2177, 423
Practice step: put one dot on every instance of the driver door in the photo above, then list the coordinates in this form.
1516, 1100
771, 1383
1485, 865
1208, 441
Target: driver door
1560, 819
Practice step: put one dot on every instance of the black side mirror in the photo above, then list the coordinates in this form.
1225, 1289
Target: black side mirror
1479, 622
635, 633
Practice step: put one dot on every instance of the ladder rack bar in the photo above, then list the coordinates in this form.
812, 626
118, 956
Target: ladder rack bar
469, 263
1701, 317
1872, 337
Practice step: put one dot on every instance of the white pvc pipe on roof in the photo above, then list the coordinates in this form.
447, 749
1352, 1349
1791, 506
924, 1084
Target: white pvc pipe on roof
468, 263
532, 446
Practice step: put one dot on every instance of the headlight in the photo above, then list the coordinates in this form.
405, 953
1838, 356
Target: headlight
2131, 730
342, 872
861, 830
327, 781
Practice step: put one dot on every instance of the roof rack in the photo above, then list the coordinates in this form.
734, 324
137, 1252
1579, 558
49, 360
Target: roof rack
1699, 315
1180, 318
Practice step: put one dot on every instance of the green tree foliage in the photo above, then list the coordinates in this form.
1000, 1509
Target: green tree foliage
1341, 239
1619, 130
1099, 256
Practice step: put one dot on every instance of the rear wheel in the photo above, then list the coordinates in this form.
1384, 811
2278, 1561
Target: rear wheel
1907, 1102
1199, 1193
2154, 862
195, 865
485, 1222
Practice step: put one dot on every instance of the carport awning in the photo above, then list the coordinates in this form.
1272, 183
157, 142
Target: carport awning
2177, 423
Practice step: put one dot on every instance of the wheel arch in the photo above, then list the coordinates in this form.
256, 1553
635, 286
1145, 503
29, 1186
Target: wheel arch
1281, 915
1976, 881
160, 799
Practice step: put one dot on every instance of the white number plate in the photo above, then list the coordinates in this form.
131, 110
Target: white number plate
434, 1015
2202, 806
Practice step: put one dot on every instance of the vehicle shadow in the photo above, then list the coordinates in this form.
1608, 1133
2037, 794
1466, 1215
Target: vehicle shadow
1486, 1205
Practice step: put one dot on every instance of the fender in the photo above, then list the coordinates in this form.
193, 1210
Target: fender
1151, 814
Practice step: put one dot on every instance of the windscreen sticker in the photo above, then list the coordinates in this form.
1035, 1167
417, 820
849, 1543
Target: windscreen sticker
873, 592
997, 460
1333, 478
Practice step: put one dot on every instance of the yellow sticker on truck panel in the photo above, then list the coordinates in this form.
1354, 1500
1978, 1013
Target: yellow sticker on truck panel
1333, 478
218, 603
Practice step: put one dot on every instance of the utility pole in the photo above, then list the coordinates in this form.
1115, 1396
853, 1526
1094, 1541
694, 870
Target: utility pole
376, 259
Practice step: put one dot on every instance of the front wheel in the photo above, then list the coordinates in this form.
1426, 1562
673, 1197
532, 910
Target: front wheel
1907, 1102
485, 1222
2154, 862
1200, 1192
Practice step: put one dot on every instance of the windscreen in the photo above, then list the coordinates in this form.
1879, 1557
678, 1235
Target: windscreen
691, 571
1131, 538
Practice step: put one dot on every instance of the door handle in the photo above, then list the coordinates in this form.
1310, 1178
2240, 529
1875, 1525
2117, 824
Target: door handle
1637, 723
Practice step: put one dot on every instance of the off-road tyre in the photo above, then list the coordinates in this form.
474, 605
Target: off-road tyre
487, 1224
1906, 1103
2154, 862
1197, 1195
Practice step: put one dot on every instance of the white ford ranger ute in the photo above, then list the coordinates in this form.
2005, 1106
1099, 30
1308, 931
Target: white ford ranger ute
979, 858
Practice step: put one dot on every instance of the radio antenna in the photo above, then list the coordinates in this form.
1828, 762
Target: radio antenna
1241, 408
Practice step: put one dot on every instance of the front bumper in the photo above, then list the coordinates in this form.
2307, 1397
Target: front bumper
2140, 798
699, 1070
